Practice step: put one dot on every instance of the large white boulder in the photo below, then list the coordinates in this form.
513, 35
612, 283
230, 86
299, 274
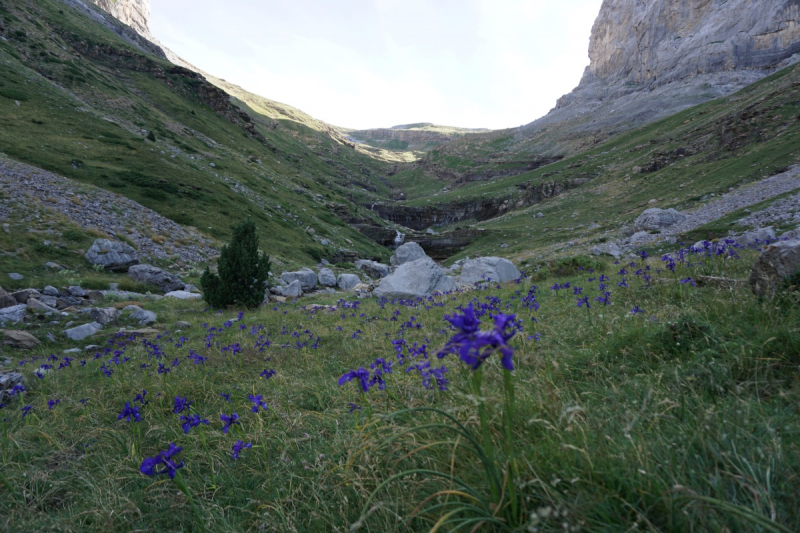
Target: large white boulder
347, 282
406, 253
496, 269
656, 218
373, 269
112, 255
81, 332
327, 277
306, 277
778, 261
293, 290
416, 278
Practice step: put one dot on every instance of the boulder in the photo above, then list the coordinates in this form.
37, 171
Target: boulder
642, 237
7, 382
347, 282
184, 295
19, 339
607, 248
757, 236
144, 317
156, 276
182, 325
51, 291
12, 314
406, 253
656, 218
307, 279
16, 277
81, 332
25, 294
373, 269
95, 296
50, 301
327, 277
55, 266
104, 315
777, 262
38, 307
293, 290
497, 269
112, 255
416, 278
6, 300
76, 292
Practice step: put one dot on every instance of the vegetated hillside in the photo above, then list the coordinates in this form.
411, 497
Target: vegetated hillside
412, 140
84, 96
677, 161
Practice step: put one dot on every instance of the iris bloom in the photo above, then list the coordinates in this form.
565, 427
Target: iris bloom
164, 458
362, 375
228, 421
130, 413
475, 346
237, 448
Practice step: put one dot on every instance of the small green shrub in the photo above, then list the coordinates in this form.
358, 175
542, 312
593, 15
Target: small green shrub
243, 271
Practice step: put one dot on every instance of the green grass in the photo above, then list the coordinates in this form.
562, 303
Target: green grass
680, 419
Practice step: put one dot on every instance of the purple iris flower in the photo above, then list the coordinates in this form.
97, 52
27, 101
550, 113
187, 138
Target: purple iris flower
475, 346
258, 403
130, 413
237, 448
228, 421
361, 375
191, 421
164, 458
181, 405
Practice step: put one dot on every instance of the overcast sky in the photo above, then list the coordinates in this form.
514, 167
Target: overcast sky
379, 63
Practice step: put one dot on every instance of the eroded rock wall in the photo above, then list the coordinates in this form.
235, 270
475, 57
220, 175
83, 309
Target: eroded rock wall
134, 13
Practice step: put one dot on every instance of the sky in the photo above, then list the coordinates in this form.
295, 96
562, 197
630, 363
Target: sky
379, 63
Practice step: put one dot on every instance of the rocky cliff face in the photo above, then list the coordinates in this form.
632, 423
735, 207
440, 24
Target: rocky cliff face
655, 42
134, 13
650, 59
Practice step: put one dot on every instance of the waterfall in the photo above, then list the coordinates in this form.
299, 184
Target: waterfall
399, 238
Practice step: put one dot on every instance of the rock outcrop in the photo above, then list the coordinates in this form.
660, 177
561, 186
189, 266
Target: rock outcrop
649, 60
778, 262
416, 278
495, 269
134, 13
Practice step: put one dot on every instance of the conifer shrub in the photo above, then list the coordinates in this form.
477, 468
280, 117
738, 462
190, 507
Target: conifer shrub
242, 274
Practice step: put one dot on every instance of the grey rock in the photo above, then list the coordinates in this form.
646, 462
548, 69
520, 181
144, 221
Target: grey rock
539, 215
19, 339
373, 269
94, 296
131, 308
82, 332
191, 288
607, 248
410, 251
104, 315
642, 237
15, 276
144, 317
306, 277
7, 228
656, 218
12, 314
327, 277
90, 347
156, 276
791, 234
24, 295
51, 291
7, 382
293, 290
112, 255
73, 350
416, 278
113, 286
777, 262
184, 295
55, 266
325, 242
50, 301
38, 307
497, 269
77, 292
757, 236
6, 300
182, 325
347, 282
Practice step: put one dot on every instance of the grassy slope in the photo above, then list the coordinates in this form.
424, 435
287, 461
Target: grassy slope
733, 141
620, 419
88, 119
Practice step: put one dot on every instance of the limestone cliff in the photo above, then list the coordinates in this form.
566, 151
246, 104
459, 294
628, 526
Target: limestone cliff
134, 13
650, 59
